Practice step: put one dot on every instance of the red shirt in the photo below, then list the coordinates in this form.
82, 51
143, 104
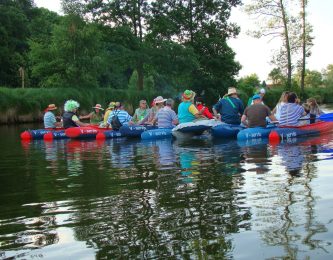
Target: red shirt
206, 111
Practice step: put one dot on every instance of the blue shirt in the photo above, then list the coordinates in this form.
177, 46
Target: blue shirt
123, 116
230, 114
49, 120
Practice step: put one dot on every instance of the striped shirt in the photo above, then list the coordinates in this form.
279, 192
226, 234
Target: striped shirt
123, 116
290, 113
165, 116
49, 120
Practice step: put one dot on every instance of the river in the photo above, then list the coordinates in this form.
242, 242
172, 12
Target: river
131, 199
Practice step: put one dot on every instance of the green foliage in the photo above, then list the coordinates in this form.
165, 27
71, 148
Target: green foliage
248, 84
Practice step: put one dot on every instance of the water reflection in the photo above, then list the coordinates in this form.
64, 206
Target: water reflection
161, 199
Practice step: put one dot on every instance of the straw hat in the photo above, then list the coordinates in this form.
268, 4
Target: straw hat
112, 104
51, 107
159, 99
98, 106
231, 91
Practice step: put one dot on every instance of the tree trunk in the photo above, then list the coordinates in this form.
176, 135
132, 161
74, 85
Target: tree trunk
303, 47
287, 43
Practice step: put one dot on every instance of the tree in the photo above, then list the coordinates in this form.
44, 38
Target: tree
277, 77
249, 84
276, 23
328, 76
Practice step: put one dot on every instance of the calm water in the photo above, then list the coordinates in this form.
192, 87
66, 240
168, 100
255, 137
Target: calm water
134, 199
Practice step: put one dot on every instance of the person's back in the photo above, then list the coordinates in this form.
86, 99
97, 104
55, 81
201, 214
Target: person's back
256, 115
49, 120
122, 115
291, 112
166, 117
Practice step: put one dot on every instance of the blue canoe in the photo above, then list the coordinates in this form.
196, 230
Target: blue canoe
255, 133
158, 133
134, 130
226, 130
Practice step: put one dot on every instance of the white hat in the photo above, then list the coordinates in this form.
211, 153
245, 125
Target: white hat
232, 91
262, 91
159, 99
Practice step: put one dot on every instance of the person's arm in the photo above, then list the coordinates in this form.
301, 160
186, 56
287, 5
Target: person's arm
86, 116
243, 119
78, 122
215, 110
207, 113
272, 118
175, 120
194, 111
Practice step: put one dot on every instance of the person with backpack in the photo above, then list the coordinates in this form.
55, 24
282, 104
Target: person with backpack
230, 108
118, 117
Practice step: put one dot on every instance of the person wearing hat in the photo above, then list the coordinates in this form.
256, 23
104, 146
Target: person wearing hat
166, 117
255, 115
230, 108
70, 119
157, 103
96, 116
119, 112
108, 111
140, 113
187, 112
261, 93
50, 120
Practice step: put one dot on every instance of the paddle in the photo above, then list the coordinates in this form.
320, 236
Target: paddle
328, 117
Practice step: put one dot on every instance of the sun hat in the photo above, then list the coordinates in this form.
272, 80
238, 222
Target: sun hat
51, 107
70, 105
231, 91
98, 106
256, 96
159, 99
262, 91
112, 104
188, 94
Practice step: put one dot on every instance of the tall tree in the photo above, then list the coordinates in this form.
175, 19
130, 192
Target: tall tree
274, 21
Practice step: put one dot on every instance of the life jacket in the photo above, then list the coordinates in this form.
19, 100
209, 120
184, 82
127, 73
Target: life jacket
67, 120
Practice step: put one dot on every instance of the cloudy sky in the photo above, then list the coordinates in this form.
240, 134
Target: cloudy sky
255, 54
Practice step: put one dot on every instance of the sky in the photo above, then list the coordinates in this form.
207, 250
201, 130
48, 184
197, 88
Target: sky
254, 54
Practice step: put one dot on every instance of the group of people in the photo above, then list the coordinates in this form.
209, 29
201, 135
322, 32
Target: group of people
228, 109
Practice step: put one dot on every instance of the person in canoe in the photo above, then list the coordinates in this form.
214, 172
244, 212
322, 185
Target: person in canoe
201, 106
96, 116
108, 111
166, 117
187, 112
230, 108
261, 92
255, 115
140, 113
291, 112
283, 100
50, 120
315, 111
118, 117
70, 119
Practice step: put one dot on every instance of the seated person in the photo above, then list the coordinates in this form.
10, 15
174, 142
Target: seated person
140, 113
123, 116
70, 119
96, 116
201, 106
166, 117
291, 112
230, 108
314, 110
108, 111
187, 112
255, 115
50, 120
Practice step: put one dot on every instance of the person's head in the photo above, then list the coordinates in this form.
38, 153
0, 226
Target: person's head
50, 107
232, 92
143, 104
118, 105
71, 106
159, 101
98, 108
169, 102
256, 99
312, 102
292, 97
199, 100
284, 96
111, 105
188, 96
262, 92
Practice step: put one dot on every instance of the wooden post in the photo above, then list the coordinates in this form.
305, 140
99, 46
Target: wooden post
21, 71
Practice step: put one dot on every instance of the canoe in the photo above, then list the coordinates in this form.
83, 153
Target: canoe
134, 130
255, 133
288, 132
226, 130
87, 132
55, 135
158, 133
108, 134
38, 133
190, 129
